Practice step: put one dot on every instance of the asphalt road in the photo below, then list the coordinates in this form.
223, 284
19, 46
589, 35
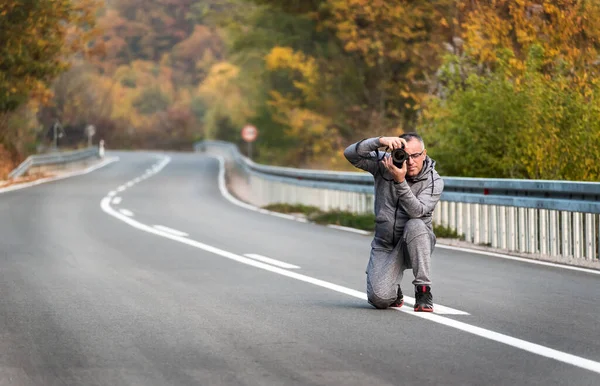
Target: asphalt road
137, 274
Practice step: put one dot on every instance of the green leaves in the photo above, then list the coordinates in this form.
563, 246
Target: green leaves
537, 128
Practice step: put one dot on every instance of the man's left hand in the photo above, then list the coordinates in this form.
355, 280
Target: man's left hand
397, 173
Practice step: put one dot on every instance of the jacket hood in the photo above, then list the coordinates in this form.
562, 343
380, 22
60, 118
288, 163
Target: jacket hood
428, 166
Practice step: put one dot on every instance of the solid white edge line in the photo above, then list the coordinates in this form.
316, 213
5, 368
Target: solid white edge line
225, 193
90, 169
170, 230
348, 229
235, 201
515, 342
126, 212
521, 259
488, 334
484, 333
268, 260
440, 309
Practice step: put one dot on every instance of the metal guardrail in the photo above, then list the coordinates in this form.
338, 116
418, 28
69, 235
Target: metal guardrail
53, 159
539, 194
556, 218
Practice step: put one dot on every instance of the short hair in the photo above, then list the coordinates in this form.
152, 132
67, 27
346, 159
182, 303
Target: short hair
412, 135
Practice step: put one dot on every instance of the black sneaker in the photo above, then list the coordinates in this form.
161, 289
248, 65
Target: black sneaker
423, 299
399, 300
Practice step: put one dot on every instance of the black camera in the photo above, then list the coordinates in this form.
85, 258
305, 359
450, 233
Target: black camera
399, 156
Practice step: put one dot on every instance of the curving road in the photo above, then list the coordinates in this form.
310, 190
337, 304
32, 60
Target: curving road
144, 273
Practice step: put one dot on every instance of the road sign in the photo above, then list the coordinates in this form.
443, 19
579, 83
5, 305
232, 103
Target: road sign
249, 133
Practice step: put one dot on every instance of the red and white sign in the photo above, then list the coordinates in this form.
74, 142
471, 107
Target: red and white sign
249, 133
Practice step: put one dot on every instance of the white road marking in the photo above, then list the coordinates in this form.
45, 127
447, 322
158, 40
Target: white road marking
126, 212
233, 200
107, 161
112, 194
121, 188
347, 229
521, 259
129, 184
482, 332
514, 342
124, 216
277, 214
271, 261
117, 200
237, 202
485, 333
171, 231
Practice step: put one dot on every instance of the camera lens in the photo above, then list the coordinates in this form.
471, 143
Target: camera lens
399, 156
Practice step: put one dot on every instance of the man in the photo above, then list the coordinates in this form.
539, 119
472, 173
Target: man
404, 201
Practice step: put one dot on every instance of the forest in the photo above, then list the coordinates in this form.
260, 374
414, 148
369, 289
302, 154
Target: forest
497, 88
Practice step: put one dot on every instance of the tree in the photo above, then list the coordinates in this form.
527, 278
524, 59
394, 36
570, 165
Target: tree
398, 44
38, 37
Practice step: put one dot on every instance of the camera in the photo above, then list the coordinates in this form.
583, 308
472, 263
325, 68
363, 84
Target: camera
399, 156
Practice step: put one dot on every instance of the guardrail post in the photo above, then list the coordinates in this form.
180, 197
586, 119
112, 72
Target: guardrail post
543, 231
566, 247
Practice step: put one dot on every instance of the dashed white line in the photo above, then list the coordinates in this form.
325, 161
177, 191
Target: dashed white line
482, 332
121, 188
117, 200
488, 334
126, 212
271, 261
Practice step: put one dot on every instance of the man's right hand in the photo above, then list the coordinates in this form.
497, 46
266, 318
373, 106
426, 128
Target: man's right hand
392, 142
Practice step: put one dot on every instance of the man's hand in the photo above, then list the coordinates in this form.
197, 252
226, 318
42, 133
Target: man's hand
392, 142
398, 174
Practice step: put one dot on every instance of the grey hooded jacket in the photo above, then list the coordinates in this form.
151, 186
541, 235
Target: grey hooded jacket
396, 203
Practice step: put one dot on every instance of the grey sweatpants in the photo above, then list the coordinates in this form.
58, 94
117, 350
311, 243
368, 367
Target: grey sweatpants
386, 267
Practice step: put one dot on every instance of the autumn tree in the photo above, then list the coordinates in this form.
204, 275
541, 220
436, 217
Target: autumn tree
38, 40
521, 99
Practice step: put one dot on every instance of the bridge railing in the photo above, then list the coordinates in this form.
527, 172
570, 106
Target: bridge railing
550, 218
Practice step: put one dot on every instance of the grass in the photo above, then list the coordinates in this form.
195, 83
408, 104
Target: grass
365, 222
293, 208
443, 232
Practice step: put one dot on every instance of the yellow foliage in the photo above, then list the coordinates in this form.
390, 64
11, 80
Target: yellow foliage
285, 58
224, 97
147, 75
39, 39
567, 30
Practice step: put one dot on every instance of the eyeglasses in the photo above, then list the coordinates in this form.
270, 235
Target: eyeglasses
416, 155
